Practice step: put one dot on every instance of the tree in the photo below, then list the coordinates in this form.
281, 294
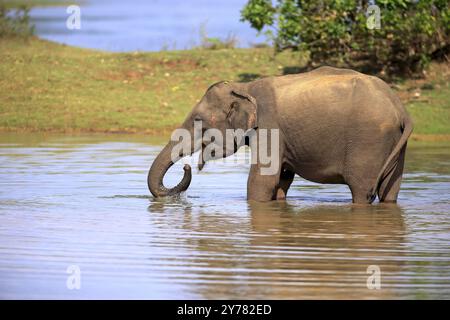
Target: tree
339, 32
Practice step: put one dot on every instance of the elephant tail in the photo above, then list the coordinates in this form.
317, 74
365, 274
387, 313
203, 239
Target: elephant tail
389, 165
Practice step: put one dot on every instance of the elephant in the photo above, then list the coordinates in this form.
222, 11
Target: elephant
335, 126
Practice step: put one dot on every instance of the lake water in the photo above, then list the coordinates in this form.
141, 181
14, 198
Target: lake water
83, 201
145, 25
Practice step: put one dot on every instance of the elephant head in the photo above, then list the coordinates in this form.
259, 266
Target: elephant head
224, 106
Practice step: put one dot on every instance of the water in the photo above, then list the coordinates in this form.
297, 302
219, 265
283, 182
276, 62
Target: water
83, 200
146, 25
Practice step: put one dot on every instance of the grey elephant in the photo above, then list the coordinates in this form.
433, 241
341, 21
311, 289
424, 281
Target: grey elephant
335, 126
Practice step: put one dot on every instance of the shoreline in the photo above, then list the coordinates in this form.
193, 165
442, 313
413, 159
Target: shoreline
53, 88
166, 132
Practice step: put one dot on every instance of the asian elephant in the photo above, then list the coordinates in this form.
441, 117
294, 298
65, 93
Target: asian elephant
335, 126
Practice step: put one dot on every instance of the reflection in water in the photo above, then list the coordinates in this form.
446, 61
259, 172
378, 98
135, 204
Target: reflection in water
330, 247
283, 251
83, 201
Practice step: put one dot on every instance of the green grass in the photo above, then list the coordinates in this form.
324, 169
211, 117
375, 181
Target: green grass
432, 114
35, 3
46, 86
50, 87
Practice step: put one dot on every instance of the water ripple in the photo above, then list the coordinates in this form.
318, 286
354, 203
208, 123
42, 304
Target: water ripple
84, 201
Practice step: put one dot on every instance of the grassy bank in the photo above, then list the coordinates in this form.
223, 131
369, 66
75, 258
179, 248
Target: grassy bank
50, 87
35, 3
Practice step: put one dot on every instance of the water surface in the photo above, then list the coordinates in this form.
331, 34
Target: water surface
80, 200
146, 25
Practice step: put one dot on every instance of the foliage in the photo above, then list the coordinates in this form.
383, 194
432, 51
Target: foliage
218, 43
336, 32
214, 43
15, 22
34, 3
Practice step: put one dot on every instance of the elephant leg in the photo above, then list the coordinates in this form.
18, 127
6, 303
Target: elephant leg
359, 191
286, 178
390, 186
361, 178
261, 187
365, 158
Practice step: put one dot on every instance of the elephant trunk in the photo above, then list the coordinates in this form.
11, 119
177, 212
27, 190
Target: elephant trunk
159, 168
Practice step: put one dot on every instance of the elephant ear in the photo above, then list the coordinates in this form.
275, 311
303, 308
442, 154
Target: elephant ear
252, 110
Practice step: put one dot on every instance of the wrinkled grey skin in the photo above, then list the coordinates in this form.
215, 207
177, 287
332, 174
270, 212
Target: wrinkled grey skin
336, 126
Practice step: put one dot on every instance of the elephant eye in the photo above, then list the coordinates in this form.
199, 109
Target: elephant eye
234, 105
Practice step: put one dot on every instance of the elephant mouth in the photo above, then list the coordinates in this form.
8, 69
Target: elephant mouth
202, 159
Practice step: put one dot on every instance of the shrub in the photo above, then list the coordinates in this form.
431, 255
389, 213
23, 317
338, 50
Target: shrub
214, 43
15, 22
336, 32
217, 43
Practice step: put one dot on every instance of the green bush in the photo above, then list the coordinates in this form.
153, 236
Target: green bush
214, 43
217, 43
337, 33
15, 22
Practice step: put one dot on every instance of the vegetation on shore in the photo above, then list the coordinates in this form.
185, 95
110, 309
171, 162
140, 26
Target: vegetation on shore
46, 86
34, 3
396, 37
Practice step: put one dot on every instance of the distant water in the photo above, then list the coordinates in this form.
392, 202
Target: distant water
145, 25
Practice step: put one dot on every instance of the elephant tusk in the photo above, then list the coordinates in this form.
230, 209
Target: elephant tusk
201, 162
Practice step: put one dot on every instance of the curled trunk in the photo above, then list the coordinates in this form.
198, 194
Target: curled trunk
159, 168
